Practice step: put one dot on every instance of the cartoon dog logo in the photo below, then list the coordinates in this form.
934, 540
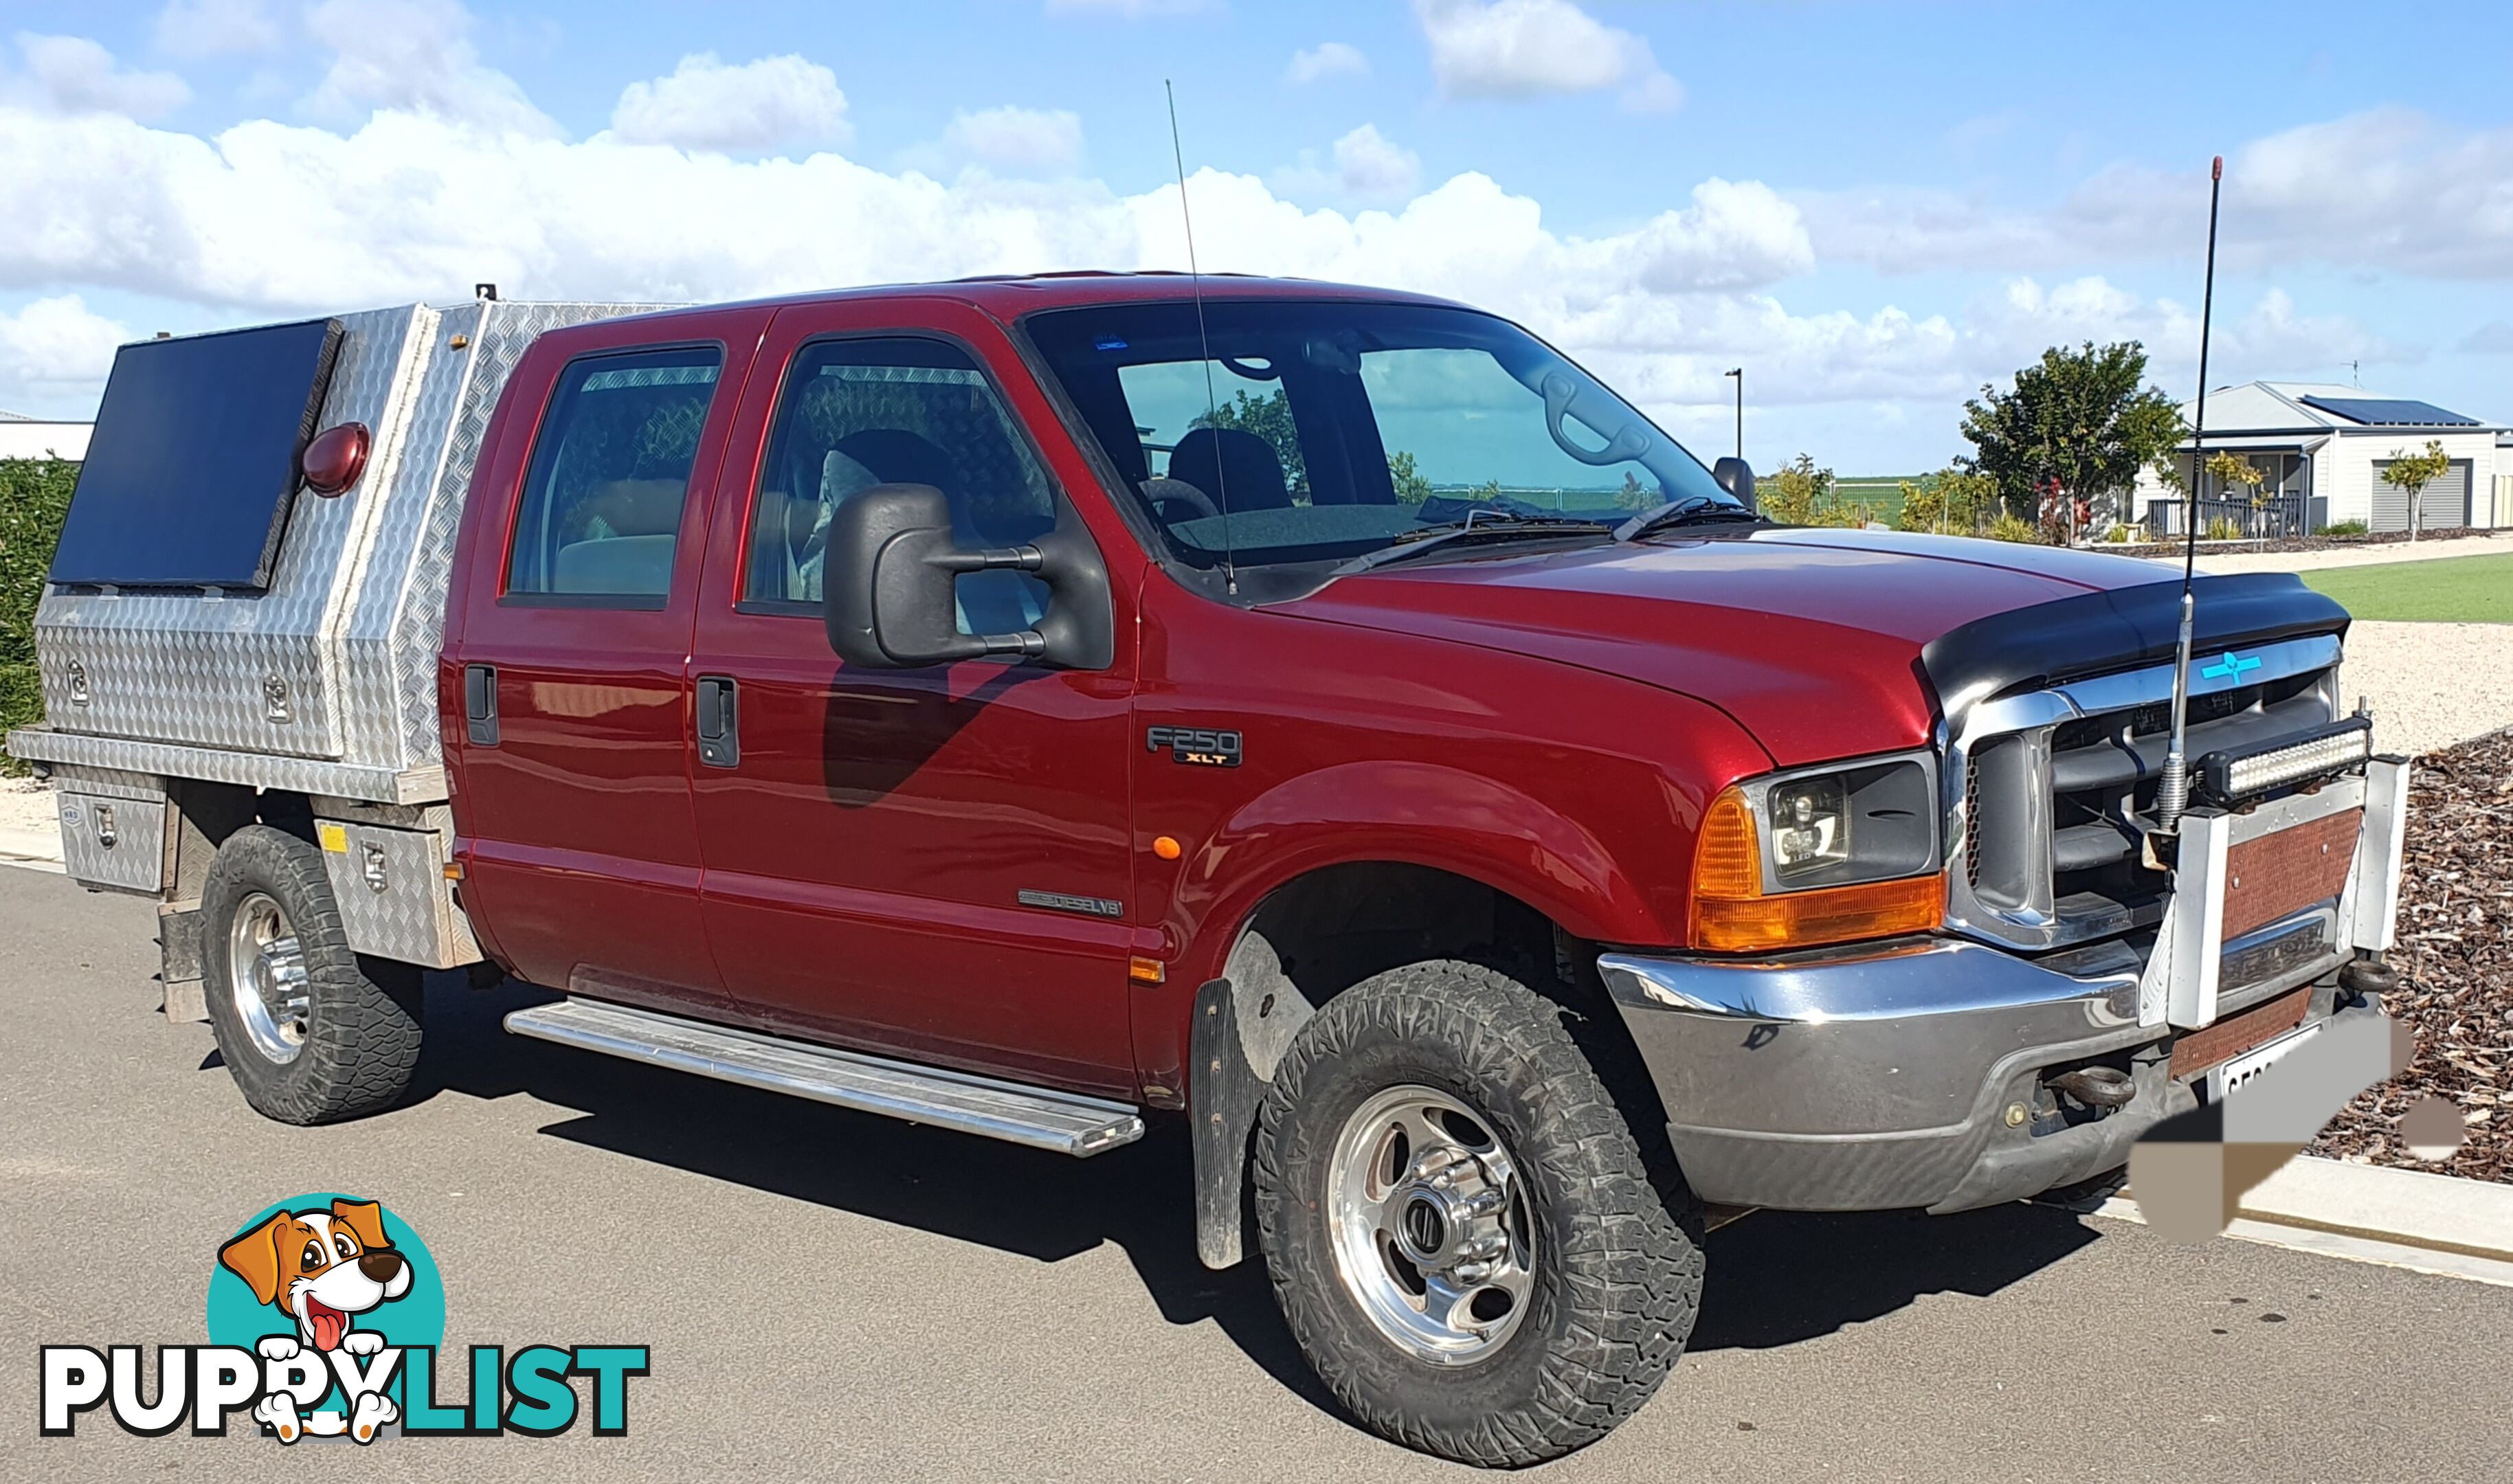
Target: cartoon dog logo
322, 1269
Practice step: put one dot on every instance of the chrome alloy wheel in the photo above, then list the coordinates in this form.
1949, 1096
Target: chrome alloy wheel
266, 974
1430, 1226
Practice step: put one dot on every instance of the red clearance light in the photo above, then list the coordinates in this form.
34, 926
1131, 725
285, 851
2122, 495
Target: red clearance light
335, 460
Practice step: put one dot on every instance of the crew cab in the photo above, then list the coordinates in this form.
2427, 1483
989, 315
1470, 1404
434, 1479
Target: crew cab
1034, 706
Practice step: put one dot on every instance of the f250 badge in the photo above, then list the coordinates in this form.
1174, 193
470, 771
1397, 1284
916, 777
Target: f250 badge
1195, 744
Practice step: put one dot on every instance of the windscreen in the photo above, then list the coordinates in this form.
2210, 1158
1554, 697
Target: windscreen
192, 467
1309, 430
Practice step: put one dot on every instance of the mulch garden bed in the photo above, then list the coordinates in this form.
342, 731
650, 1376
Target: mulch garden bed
2207, 547
2454, 955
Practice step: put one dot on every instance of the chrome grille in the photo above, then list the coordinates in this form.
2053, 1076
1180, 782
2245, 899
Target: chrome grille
2051, 789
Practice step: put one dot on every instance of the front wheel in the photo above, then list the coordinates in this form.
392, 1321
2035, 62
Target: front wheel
1459, 1223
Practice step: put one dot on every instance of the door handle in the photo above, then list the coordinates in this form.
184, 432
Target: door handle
480, 704
719, 722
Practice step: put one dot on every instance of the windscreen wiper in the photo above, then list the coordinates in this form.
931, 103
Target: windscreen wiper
1688, 511
1479, 527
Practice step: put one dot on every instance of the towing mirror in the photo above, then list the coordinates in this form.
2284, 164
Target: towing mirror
888, 589
1736, 477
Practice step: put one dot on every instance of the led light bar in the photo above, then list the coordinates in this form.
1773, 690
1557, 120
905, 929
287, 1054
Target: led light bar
2230, 777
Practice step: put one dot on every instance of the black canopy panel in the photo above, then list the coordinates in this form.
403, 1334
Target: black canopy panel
192, 467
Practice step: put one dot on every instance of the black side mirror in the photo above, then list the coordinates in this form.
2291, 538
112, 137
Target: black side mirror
888, 596
1736, 477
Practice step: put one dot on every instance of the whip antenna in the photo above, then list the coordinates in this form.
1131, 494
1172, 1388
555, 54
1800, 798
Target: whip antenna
2173, 789
1212, 403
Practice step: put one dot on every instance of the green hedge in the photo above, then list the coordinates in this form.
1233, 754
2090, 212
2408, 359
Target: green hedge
34, 495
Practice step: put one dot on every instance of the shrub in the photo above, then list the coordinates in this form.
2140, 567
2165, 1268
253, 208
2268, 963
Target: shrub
2010, 527
2119, 535
2222, 529
34, 495
2343, 529
1951, 500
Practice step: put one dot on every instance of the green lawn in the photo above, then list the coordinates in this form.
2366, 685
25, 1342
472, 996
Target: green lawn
2454, 589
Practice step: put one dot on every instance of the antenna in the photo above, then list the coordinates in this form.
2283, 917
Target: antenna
1212, 403
2173, 789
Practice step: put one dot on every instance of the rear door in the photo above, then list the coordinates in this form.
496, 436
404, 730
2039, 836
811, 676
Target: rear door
928, 861
567, 684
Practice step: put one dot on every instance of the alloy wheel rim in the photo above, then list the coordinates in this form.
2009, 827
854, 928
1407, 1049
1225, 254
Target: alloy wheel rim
267, 977
1431, 1228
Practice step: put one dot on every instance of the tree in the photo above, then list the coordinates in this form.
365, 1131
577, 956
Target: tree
1411, 489
34, 497
1270, 419
1802, 495
2075, 427
2412, 472
2235, 472
1950, 502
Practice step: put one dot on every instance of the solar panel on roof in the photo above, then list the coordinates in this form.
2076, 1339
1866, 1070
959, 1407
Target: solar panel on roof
2391, 411
192, 468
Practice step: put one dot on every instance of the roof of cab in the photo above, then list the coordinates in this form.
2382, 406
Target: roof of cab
1008, 297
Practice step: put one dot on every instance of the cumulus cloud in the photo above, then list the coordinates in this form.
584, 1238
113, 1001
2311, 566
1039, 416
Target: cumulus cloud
1326, 60
1017, 140
415, 56
706, 103
1365, 165
1521, 47
216, 28
71, 74
56, 346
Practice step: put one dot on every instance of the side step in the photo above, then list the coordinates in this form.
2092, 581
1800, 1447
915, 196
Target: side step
1068, 1123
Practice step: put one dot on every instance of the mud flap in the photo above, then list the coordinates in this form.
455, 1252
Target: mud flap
1223, 1092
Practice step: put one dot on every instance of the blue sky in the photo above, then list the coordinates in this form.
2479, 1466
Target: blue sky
1873, 207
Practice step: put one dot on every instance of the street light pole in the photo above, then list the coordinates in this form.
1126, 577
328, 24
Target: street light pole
1740, 374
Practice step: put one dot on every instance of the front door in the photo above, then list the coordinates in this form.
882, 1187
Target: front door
933, 861
566, 661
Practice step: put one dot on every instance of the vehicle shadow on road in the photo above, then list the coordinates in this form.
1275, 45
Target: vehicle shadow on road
1775, 1279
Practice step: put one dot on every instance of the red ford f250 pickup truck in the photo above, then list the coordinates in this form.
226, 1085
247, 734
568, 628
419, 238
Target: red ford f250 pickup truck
1022, 705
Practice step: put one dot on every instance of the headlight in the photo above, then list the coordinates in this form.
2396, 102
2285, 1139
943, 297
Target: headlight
1821, 855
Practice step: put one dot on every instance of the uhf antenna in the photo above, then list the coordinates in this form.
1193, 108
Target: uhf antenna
1212, 403
2172, 790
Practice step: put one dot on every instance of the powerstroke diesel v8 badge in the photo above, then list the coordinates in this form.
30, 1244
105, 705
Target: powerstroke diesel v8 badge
1195, 744
326, 1313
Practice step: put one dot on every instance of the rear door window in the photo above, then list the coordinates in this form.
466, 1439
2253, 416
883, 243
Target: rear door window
601, 510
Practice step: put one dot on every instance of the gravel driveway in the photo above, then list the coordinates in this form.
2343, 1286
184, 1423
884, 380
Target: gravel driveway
2432, 683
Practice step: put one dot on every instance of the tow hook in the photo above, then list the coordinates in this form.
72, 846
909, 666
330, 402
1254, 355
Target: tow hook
2369, 976
2097, 1086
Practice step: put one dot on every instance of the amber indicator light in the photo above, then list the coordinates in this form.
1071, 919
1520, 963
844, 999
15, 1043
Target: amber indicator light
1731, 915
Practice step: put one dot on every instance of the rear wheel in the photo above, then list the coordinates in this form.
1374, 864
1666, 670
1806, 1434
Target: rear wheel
1459, 1223
312, 1031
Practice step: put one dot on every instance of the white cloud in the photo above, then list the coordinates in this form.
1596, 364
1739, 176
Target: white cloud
71, 74
1044, 142
1521, 47
216, 28
707, 104
413, 55
56, 345
1366, 166
1326, 60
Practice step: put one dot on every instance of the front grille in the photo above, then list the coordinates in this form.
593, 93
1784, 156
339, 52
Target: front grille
2058, 787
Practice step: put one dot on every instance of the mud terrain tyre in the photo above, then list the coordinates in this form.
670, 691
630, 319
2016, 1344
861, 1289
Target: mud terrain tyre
1458, 1225
311, 1031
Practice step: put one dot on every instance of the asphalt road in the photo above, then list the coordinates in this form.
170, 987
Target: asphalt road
836, 1295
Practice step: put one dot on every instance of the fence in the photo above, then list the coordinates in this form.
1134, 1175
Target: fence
2281, 515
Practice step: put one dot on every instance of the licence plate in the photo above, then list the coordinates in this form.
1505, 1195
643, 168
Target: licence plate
2224, 1077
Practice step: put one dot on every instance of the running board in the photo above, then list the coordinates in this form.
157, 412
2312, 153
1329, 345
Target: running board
1040, 1118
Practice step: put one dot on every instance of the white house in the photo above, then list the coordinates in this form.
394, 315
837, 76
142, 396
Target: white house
2322, 447
32, 438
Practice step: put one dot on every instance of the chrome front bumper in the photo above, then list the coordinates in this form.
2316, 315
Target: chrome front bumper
1888, 1077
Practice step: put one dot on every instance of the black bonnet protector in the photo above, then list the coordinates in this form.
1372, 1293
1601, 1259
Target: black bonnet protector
2123, 629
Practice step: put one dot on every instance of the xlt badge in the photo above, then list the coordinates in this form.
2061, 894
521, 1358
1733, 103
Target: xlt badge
1195, 744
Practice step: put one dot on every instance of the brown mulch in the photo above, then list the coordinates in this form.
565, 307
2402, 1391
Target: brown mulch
2173, 548
2454, 955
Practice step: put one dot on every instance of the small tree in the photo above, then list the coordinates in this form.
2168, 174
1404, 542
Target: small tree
2412, 472
34, 496
1953, 501
2233, 471
1801, 494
